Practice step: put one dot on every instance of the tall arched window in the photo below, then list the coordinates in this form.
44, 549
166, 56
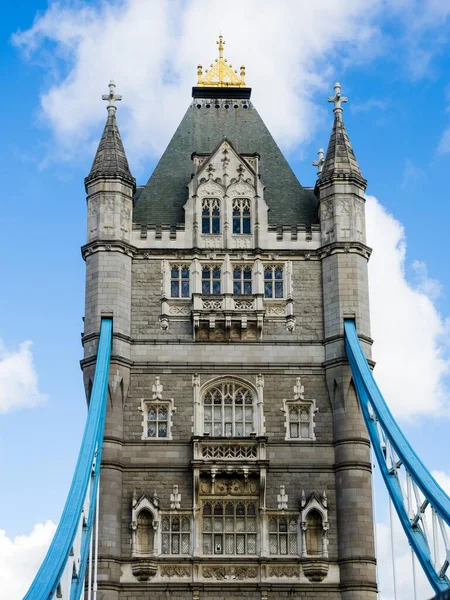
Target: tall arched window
228, 410
211, 216
241, 216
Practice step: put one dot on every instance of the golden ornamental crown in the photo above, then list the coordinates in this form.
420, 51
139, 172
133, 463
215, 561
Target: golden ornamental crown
221, 73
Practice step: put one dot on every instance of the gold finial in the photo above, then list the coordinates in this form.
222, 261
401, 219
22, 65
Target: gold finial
221, 73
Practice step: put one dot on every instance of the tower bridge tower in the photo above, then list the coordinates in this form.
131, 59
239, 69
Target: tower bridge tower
235, 462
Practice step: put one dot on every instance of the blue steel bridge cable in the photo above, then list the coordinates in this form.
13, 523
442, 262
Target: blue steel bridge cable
370, 395
85, 482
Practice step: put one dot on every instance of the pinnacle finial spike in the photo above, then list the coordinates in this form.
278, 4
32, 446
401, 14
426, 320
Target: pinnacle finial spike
320, 161
337, 100
111, 98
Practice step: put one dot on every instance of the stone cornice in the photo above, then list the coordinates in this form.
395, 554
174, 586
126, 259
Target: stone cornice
107, 246
352, 247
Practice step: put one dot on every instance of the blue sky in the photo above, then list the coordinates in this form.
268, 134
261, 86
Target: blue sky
393, 63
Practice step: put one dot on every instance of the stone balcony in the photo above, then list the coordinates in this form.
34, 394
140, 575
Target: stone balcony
229, 455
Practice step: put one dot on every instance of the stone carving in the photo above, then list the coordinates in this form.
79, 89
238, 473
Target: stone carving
143, 569
244, 304
275, 310
175, 571
230, 573
327, 221
212, 304
229, 452
240, 188
242, 242
315, 570
182, 310
359, 222
212, 241
93, 216
210, 188
344, 217
231, 487
289, 571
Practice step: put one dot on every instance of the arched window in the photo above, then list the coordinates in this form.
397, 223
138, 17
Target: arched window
242, 280
229, 527
228, 411
144, 533
314, 533
211, 279
211, 216
241, 216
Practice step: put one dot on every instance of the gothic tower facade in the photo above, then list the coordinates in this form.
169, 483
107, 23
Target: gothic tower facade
235, 463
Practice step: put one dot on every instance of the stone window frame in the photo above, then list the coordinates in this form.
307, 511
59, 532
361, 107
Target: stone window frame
172, 535
288, 516
242, 281
180, 280
273, 266
299, 403
242, 205
144, 408
209, 205
212, 280
250, 534
257, 389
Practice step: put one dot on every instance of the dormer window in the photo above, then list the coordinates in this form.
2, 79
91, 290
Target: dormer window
242, 280
211, 216
211, 279
241, 216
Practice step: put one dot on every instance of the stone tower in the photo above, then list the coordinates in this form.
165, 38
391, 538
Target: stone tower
235, 463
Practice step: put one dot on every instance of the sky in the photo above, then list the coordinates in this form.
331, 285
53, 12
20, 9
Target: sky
56, 59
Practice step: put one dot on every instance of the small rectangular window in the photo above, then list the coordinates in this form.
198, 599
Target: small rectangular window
179, 281
273, 282
211, 281
242, 280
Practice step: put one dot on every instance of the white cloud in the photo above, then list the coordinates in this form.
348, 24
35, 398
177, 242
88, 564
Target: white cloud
152, 50
412, 363
21, 557
18, 379
443, 480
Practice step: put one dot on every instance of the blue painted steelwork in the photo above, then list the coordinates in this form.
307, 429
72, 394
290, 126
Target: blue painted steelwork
83, 492
385, 433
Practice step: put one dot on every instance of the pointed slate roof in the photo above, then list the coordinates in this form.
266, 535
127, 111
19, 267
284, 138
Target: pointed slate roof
340, 159
202, 128
110, 159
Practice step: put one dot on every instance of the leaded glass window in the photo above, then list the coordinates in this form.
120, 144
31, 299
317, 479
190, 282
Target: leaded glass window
229, 527
228, 411
273, 281
158, 421
179, 281
175, 535
299, 421
241, 216
211, 216
211, 280
283, 536
242, 280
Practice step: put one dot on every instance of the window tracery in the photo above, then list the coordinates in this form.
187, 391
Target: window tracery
210, 216
299, 415
228, 410
241, 216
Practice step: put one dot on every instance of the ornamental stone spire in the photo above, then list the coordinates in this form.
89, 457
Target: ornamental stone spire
340, 160
110, 159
